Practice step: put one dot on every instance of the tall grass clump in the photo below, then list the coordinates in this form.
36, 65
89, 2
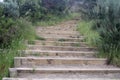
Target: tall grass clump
108, 26
12, 43
13, 33
106, 17
91, 36
86, 9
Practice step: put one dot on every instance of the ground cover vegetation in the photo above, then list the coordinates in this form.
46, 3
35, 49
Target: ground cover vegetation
101, 25
16, 25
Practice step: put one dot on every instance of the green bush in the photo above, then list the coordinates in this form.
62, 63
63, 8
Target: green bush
11, 8
87, 9
31, 9
7, 30
16, 19
108, 27
56, 7
25, 29
106, 17
91, 37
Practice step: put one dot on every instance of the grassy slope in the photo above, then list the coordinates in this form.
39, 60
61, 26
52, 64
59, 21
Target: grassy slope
27, 31
93, 39
56, 19
84, 28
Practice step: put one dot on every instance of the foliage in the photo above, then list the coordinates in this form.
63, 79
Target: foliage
16, 19
106, 16
91, 36
6, 61
108, 27
31, 9
11, 29
55, 6
39, 10
36, 10
11, 8
87, 8
7, 29
25, 29
53, 20
13, 32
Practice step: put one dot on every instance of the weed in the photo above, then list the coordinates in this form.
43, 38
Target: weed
37, 54
40, 38
62, 40
33, 70
46, 54
76, 45
91, 36
43, 43
31, 42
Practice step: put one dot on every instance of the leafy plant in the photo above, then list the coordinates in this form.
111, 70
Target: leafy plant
11, 8
106, 17
56, 7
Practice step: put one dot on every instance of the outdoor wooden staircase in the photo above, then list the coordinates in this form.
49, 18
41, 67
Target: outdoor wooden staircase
62, 55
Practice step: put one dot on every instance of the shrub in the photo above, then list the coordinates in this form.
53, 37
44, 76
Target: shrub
25, 29
7, 30
87, 9
106, 15
108, 27
91, 36
11, 8
56, 7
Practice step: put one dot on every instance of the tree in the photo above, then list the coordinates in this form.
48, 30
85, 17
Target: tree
11, 8
87, 8
55, 6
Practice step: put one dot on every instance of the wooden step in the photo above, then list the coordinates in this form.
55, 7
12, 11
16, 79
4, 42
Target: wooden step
58, 27
57, 43
63, 39
59, 36
30, 72
57, 53
60, 79
59, 48
58, 32
61, 55
19, 61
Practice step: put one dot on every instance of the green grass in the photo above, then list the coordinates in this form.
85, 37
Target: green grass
26, 29
105, 15
53, 20
91, 36
113, 55
31, 42
62, 40
33, 70
6, 61
93, 39
7, 57
43, 43
56, 19
47, 23
40, 38
77, 45
26, 32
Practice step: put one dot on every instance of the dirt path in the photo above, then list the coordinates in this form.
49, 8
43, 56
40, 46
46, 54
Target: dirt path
61, 55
